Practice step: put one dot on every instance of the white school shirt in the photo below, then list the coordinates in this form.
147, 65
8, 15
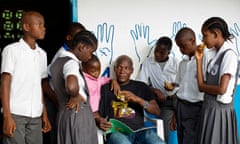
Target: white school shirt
152, 74
72, 67
27, 68
228, 66
187, 80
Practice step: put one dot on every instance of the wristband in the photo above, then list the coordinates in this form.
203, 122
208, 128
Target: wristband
146, 105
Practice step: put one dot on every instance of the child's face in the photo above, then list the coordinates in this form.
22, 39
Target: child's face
94, 69
186, 46
161, 53
209, 38
84, 52
35, 27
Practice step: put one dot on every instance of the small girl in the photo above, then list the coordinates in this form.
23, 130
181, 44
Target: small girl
91, 71
218, 123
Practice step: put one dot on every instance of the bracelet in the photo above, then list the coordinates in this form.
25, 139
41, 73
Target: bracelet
146, 105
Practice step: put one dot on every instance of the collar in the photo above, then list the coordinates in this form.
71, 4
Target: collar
27, 47
70, 54
88, 76
66, 47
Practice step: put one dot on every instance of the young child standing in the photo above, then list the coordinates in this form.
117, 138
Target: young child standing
91, 71
218, 118
189, 98
24, 65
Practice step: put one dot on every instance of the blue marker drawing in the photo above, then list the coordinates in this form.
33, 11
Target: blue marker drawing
105, 36
176, 27
235, 30
140, 36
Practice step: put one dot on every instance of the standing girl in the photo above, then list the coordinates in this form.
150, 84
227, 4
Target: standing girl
218, 123
75, 121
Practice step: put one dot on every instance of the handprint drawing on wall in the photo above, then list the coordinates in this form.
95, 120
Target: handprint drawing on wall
142, 42
235, 30
175, 28
104, 51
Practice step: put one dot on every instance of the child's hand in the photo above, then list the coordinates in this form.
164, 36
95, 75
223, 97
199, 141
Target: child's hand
74, 102
170, 86
199, 52
9, 126
115, 86
46, 124
173, 123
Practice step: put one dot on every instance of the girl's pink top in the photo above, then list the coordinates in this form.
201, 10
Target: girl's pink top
94, 88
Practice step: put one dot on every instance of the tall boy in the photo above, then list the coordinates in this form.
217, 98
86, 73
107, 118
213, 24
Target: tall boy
24, 65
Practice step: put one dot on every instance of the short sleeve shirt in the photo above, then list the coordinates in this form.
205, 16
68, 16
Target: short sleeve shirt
134, 121
27, 68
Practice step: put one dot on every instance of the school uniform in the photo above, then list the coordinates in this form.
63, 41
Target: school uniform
218, 123
189, 100
27, 68
155, 74
72, 127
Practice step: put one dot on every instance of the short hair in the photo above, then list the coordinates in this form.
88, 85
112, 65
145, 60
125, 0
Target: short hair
121, 58
165, 41
73, 26
185, 32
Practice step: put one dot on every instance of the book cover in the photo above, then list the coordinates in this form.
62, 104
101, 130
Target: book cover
118, 126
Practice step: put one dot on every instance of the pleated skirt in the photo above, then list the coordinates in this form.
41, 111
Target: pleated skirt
77, 128
218, 124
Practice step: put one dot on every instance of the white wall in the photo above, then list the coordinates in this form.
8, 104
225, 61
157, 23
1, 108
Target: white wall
132, 26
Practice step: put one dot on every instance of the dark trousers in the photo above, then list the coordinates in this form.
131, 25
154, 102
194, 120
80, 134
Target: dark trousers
166, 114
188, 115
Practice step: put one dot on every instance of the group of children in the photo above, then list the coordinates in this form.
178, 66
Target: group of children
204, 83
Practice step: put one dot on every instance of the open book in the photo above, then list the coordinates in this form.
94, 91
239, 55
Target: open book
118, 126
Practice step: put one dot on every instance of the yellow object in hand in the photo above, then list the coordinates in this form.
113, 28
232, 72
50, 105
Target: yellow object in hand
168, 86
201, 47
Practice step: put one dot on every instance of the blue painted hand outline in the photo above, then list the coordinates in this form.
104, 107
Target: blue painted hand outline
236, 32
104, 51
176, 27
141, 38
105, 37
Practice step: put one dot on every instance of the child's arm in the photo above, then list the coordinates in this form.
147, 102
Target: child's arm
115, 86
9, 125
221, 88
45, 121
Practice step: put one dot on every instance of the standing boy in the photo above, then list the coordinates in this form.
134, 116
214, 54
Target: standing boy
189, 98
24, 65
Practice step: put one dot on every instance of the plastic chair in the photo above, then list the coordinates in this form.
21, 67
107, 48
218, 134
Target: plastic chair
151, 120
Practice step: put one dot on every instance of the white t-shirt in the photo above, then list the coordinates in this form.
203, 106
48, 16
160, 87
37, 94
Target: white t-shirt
27, 68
